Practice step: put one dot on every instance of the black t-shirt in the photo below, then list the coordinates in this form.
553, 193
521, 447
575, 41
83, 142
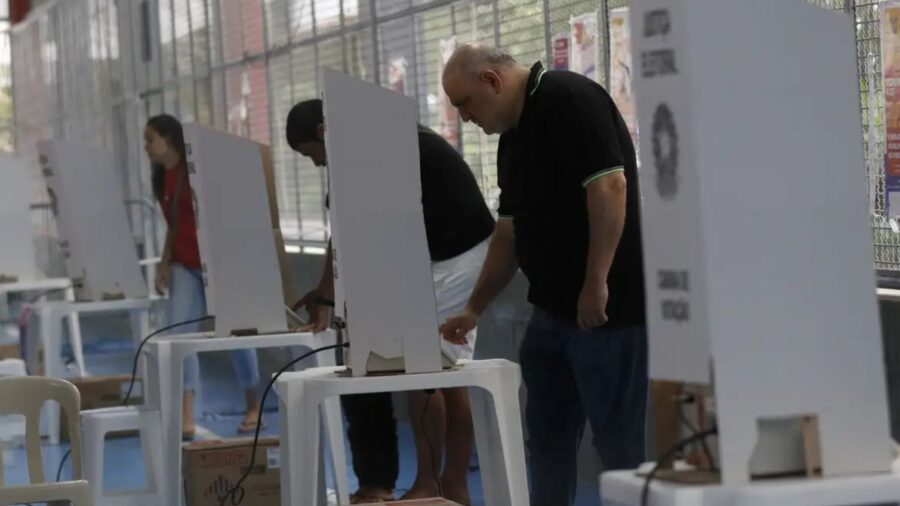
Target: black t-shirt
456, 217
570, 133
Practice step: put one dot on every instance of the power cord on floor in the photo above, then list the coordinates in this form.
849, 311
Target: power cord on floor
435, 466
134, 368
700, 436
236, 494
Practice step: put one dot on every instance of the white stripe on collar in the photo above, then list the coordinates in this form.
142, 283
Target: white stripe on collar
537, 82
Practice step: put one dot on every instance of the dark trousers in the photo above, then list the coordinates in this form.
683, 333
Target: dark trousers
572, 375
372, 431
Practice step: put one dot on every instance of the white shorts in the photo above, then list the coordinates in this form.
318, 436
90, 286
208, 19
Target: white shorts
454, 280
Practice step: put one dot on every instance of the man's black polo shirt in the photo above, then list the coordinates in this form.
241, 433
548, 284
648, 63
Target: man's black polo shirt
570, 134
456, 217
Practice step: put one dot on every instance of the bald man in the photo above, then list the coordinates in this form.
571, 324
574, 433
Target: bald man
569, 218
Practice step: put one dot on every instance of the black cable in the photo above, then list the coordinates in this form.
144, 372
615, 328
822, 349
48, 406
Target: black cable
61, 463
434, 464
137, 357
137, 354
237, 492
694, 431
645, 493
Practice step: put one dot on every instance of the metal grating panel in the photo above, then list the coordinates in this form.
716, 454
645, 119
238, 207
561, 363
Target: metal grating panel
240, 64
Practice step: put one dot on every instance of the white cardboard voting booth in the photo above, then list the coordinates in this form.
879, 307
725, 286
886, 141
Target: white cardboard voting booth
381, 260
234, 227
756, 237
88, 204
17, 256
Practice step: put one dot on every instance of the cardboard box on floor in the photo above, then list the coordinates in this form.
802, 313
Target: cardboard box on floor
103, 392
11, 350
212, 468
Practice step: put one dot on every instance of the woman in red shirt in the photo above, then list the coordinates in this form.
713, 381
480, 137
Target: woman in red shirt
180, 270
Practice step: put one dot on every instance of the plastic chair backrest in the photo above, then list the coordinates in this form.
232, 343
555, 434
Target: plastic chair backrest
26, 396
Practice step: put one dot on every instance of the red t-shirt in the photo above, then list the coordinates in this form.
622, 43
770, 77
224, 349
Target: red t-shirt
185, 249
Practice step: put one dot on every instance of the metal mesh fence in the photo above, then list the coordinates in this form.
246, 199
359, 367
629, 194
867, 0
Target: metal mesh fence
240, 65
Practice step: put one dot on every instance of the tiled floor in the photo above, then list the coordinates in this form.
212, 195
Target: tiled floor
220, 418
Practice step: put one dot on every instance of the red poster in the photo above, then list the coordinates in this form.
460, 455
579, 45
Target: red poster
561, 52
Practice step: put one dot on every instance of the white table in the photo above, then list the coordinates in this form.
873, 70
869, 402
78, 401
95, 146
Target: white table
45, 285
163, 386
49, 336
623, 488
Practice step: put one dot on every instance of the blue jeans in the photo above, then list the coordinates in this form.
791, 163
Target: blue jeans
571, 375
187, 301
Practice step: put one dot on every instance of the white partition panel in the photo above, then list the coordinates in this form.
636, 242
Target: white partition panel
382, 268
234, 224
17, 256
758, 251
88, 203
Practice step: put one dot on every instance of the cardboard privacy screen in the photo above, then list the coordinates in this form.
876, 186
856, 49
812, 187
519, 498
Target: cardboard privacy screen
88, 204
383, 281
237, 231
17, 259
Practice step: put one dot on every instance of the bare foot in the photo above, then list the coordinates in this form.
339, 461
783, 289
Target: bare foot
421, 490
188, 431
368, 495
456, 492
248, 424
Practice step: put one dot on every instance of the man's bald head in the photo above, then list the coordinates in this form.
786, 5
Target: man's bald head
486, 85
470, 60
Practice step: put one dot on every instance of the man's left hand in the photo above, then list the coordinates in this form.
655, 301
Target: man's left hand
592, 305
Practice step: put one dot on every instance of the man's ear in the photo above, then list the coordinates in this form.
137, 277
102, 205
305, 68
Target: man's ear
320, 131
493, 79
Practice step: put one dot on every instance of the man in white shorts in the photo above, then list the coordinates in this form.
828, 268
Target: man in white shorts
458, 226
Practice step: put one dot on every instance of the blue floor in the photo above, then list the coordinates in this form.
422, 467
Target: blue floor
220, 417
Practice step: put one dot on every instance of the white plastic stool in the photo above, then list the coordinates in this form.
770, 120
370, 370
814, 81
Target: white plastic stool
494, 395
11, 428
49, 337
96, 424
163, 388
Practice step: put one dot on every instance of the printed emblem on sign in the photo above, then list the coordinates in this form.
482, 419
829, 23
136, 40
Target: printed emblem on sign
665, 152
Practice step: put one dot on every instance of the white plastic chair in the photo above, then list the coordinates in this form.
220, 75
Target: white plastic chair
25, 396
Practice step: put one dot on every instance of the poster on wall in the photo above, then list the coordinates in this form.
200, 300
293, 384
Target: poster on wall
584, 53
890, 46
397, 75
620, 67
449, 118
561, 51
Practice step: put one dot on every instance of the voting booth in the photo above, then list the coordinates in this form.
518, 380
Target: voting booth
757, 245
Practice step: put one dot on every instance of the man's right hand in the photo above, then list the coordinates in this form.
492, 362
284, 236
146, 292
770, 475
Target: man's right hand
456, 328
319, 315
162, 278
